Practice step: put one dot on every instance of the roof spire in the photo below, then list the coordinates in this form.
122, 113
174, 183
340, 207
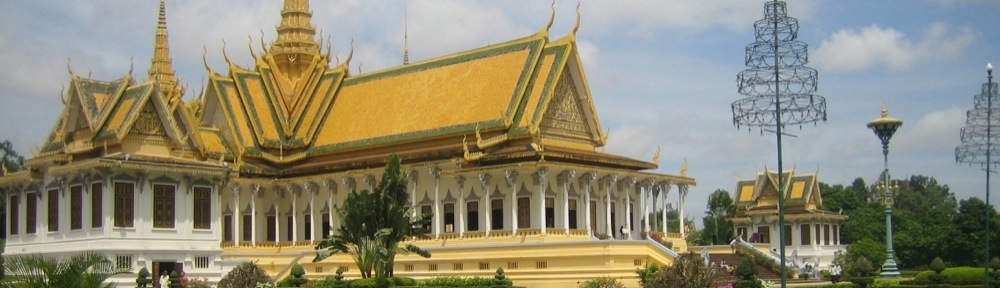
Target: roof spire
406, 48
162, 68
296, 34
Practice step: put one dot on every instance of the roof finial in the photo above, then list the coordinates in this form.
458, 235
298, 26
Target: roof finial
551, 18
204, 59
406, 48
885, 111
250, 46
577, 26
296, 33
224, 55
162, 68
69, 66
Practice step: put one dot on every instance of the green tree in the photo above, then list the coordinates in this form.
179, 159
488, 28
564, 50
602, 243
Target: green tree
85, 270
11, 161
718, 228
374, 224
967, 240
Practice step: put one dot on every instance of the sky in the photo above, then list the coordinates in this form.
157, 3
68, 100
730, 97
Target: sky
661, 73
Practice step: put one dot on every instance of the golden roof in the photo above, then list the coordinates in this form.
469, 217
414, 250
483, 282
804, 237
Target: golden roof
801, 191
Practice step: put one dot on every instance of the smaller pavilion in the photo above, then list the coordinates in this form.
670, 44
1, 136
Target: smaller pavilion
812, 235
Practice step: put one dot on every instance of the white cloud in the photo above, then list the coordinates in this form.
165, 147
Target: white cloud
856, 50
935, 131
645, 18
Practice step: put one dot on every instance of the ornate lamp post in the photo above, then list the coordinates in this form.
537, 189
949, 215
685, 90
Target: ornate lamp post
884, 127
778, 86
976, 148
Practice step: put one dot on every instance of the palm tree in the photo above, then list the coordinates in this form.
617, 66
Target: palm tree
85, 270
375, 223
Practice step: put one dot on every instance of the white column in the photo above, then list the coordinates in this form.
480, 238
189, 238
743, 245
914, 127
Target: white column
567, 182
436, 172
413, 193
312, 210
644, 191
589, 178
460, 206
295, 214
277, 216
609, 180
682, 191
331, 186
665, 190
237, 216
512, 184
542, 185
488, 212
370, 180
630, 182
255, 190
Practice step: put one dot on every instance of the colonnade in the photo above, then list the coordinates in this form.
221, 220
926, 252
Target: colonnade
545, 200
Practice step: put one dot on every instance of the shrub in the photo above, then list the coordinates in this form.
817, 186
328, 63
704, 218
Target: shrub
198, 283
690, 269
244, 275
602, 282
405, 281
296, 278
746, 269
142, 280
500, 279
647, 274
365, 283
937, 265
863, 269
330, 282
956, 275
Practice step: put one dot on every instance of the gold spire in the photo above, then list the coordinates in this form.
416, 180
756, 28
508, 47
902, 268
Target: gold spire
406, 48
162, 68
296, 34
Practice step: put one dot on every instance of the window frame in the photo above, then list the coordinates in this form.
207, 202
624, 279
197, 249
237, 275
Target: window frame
164, 206
201, 212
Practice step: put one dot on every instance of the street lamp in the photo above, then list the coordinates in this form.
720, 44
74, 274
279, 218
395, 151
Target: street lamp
977, 139
884, 127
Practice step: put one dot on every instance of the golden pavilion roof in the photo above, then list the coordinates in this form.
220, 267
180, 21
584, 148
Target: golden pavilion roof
801, 193
293, 113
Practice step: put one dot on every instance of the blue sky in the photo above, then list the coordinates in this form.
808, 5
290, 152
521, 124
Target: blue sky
661, 72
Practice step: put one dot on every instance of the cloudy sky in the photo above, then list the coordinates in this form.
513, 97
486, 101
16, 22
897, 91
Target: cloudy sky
662, 73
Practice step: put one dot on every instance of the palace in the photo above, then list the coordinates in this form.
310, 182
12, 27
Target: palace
501, 145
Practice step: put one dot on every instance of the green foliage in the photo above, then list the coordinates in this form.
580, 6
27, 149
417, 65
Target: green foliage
198, 283
718, 227
375, 224
872, 251
759, 258
330, 282
9, 159
175, 280
864, 281
244, 275
296, 278
500, 279
863, 267
462, 282
746, 269
84, 270
404, 281
142, 279
688, 271
962, 274
885, 283
602, 282
754, 283
937, 265
995, 263
647, 274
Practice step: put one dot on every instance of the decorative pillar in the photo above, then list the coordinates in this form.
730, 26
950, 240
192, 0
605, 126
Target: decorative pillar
542, 185
630, 184
460, 208
436, 172
484, 178
682, 191
312, 189
331, 185
665, 190
370, 180
644, 190
237, 216
567, 182
295, 213
277, 214
255, 190
413, 193
512, 184
589, 178
609, 180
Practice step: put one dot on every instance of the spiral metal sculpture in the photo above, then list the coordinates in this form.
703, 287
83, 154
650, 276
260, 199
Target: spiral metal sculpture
777, 73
